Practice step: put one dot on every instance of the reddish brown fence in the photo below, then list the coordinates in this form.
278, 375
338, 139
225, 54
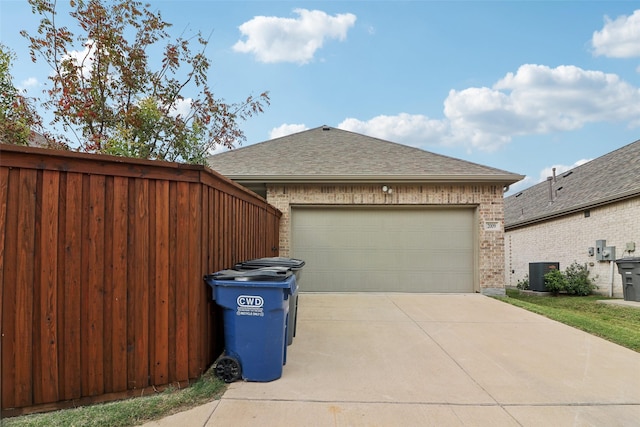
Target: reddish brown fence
101, 267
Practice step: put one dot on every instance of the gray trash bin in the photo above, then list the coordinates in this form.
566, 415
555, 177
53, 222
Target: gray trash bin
629, 269
294, 265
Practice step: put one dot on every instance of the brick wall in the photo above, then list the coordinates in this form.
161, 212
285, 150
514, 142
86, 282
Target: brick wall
568, 238
487, 199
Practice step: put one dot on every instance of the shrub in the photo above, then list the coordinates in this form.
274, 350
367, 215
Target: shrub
574, 280
555, 281
578, 280
524, 283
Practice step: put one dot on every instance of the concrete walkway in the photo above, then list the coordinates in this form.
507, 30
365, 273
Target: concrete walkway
433, 360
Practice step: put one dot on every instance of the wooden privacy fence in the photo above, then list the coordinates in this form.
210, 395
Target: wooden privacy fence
101, 266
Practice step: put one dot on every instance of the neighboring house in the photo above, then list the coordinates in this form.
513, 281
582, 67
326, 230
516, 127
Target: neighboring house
38, 140
562, 219
371, 215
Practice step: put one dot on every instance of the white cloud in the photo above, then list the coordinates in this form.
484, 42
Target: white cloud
479, 118
568, 97
538, 100
619, 38
409, 129
534, 100
286, 129
272, 39
181, 107
31, 82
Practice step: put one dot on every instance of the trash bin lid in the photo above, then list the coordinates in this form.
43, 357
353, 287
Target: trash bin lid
630, 262
268, 277
270, 274
292, 263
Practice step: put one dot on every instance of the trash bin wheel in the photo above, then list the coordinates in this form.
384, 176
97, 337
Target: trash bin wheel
228, 369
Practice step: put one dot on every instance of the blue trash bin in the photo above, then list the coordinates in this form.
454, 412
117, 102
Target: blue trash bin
296, 266
255, 313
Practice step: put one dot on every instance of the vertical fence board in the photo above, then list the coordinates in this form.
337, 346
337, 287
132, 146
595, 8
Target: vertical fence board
60, 248
227, 217
219, 236
251, 219
131, 280
46, 386
93, 286
36, 315
194, 276
118, 328
215, 319
141, 285
85, 311
182, 279
210, 268
138, 295
205, 339
115, 325
69, 313
24, 288
161, 316
173, 260
151, 267
9, 286
238, 229
108, 320
213, 230
4, 184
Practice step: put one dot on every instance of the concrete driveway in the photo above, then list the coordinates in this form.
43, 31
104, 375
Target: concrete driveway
433, 360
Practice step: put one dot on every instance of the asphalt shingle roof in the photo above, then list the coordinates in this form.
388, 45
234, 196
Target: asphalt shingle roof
614, 176
326, 153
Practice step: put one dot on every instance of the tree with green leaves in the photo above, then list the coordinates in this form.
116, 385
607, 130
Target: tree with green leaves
111, 100
18, 117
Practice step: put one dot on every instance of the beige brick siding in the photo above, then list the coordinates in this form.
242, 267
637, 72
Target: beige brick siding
486, 199
568, 238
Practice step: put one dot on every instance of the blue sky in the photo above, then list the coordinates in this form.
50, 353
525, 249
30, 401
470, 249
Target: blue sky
522, 86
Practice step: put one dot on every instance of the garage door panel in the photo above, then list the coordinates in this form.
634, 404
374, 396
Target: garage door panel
373, 249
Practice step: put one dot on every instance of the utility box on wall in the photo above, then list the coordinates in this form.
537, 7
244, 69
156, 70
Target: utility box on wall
604, 252
537, 270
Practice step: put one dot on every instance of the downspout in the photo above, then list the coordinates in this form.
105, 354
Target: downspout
611, 279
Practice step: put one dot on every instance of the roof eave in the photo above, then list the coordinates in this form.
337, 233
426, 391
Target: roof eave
334, 179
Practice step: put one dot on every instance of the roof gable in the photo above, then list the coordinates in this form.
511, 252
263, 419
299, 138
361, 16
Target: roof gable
326, 153
614, 176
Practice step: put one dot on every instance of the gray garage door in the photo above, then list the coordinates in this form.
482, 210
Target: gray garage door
379, 249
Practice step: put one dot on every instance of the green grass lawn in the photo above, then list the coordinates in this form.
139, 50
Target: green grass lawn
618, 324
130, 412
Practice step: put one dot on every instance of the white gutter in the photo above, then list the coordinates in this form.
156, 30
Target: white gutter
328, 179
